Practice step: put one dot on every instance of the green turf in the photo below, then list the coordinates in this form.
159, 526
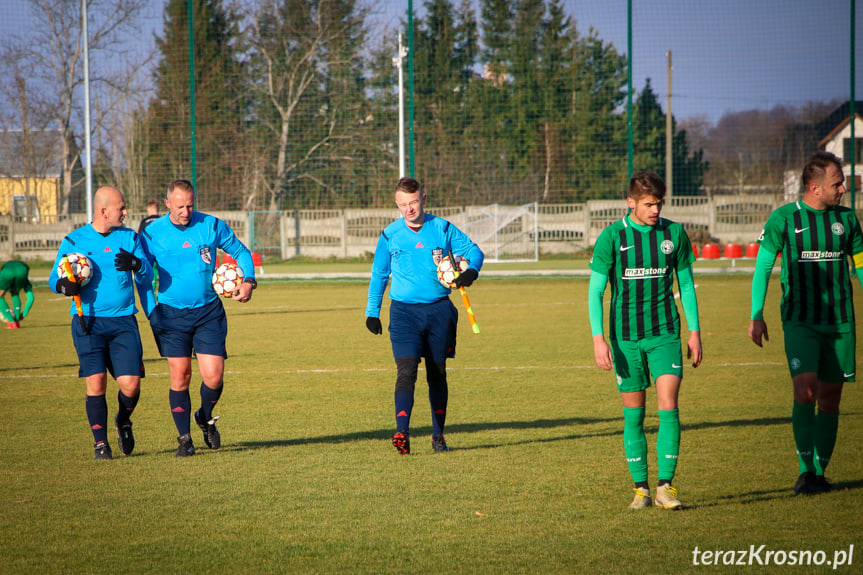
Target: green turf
307, 481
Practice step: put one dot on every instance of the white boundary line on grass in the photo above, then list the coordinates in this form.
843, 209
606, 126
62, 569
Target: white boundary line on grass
375, 370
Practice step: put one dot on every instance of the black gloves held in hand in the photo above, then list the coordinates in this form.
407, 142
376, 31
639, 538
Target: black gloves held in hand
374, 325
466, 278
67, 287
126, 262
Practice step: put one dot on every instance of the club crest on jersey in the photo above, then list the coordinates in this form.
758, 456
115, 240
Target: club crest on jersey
667, 247
205, 255
837, 228
437, 255
795, 363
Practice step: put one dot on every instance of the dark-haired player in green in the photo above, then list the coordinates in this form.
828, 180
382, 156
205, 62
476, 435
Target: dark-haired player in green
638, 255
815, 236
13, 279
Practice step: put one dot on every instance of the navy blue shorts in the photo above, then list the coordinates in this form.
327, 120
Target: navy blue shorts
179, 331
113, 345
423, 329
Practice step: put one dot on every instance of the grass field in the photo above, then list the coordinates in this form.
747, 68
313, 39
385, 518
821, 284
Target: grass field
307, 481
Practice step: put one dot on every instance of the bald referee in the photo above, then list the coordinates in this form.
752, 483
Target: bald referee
639, 255
815, 236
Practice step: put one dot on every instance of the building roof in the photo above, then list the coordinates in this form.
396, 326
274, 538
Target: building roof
39, 156
837, 120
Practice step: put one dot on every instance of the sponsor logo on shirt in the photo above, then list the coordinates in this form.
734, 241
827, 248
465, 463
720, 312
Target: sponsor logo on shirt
821, 256
644, 273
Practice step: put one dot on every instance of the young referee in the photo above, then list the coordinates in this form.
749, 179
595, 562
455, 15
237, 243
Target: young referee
423, 320
815, 237
638, 255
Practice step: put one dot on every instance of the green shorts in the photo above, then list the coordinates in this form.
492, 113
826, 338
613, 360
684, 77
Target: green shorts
828, 351
636, 361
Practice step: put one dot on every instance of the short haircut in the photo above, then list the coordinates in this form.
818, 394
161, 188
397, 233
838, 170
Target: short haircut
646, 183
817, 165
184, 185
152, 204
409, 186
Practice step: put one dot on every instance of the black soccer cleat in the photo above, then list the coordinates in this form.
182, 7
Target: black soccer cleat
822, 485
211, 435
186, 448
103, 451
125, 437
439, 444
806, 483
402, 442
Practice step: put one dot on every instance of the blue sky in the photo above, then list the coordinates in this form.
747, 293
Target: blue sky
728, 55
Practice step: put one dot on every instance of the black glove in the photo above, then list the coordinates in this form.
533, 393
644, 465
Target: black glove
466, 278
374, 325
126, 262
67, 287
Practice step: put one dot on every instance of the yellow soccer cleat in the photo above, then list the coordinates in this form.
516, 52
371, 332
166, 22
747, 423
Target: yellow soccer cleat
666, 497
642, 498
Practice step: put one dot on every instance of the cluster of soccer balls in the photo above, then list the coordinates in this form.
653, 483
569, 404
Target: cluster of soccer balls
445, 272
81, 268
226, 279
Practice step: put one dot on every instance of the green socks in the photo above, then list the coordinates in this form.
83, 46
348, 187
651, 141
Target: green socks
668, 443
826, 425
634, 443
803, 425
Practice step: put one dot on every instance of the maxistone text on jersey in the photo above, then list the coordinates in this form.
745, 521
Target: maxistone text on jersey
760, 555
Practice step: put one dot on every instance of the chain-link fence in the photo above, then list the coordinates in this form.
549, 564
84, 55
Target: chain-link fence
280, 106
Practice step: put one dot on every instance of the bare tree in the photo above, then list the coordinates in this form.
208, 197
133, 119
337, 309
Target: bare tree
297, 45
52, 52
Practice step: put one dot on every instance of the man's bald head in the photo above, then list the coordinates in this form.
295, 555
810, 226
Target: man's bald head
109, 209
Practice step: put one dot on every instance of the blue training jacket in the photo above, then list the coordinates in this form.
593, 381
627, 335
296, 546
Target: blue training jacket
185, 257
408, 255
109, 292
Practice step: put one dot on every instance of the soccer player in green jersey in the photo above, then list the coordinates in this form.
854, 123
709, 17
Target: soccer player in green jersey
815, 237
13, 279
638, 255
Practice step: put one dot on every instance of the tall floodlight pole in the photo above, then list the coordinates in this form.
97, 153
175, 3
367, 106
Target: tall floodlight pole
629, 146
88, 168
190, 11
669, 138
411, 159
398, 61
852, 111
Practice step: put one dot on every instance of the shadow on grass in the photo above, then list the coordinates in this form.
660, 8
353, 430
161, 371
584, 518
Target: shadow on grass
773, 495
425, 431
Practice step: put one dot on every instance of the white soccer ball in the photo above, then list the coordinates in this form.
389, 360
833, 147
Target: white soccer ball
445, 273
226, 279
81, 267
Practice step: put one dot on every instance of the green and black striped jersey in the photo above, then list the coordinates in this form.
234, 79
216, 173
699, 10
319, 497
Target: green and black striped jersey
815, 245
640, 262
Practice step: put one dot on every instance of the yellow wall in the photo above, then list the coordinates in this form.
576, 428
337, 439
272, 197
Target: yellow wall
47, 191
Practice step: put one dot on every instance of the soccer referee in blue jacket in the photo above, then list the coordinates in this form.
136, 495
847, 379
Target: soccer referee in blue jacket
423, 320
189, 316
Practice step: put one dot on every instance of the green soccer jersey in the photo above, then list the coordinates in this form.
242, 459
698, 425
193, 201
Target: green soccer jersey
13, 276
640, 262
814, 244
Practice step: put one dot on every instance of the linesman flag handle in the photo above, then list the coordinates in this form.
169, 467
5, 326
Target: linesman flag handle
74, 279
464, 298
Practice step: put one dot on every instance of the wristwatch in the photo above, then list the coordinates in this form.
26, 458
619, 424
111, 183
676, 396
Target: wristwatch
251, 281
